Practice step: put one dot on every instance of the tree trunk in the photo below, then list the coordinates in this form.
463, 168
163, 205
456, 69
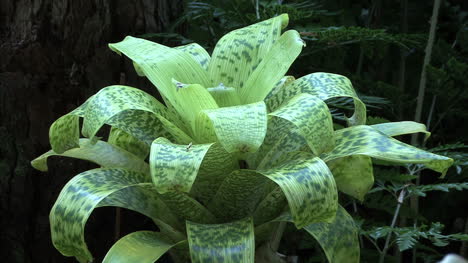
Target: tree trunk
54, 55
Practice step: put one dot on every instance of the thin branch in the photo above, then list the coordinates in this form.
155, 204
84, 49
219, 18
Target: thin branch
427, 60
401, 197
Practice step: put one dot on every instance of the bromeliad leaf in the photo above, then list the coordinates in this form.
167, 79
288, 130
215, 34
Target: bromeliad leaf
238, 53
161, 64
365, 140
338, 239
309, 187
272, 67
229, 243
239, 128
78, 199
216, 165
129, 143
141, 246
402, 127
239, 194
114, 100
353, 175
195, 98
325, 86
312, 118
198, 53
102, 153
174, 167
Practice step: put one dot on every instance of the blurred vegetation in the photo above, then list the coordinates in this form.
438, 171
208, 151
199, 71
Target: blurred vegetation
380, 46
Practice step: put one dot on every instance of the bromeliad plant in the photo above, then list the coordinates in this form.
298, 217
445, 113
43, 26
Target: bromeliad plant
236, 148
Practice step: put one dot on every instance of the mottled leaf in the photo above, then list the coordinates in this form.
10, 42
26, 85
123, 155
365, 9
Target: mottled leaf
238, 53
113, 100
225, 96
198, 53
228, 243
338, 239
308, 186
272, 205
402, 127
353, 175
174, 166
101, 153
194, 99
216, 165
141, 247
161, 64
272, 67
187, 208
312, 118
78, 199
365, 140
238, 195
129, 143
239, 128
281, 137
325, 86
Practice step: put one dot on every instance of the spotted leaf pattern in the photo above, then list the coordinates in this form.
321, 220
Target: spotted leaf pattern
338, 238
113, 100
238, 53
144, 199
308, 186
272, 205
313, 120
402, 127
324, 86
365, 140
127, 142
238, 195
353, 174
216, 165
229, 243
141, 246
198, 53
187, 208
195, 98
174, 167
240, 128
78, 199
272, 67
161, 64
102, 153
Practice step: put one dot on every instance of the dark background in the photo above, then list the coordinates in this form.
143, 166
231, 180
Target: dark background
54, 55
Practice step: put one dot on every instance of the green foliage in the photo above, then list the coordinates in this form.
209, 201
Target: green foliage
236, 147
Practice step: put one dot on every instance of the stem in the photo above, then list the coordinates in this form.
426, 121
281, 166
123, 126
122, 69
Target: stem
401, 197
276, 236
403, 55
256, 10
427, 60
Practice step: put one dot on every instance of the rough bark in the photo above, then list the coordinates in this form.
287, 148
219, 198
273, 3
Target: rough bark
54, 55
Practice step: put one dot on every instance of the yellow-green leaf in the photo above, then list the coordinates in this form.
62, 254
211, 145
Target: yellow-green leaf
308, 185
353, 175
365, 140
102, 153
141, 247
238, 53
272, 67
228, 243
239, 128
312, 118
175, 167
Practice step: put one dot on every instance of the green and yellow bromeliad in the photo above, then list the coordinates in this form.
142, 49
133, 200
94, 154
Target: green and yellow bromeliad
235, 106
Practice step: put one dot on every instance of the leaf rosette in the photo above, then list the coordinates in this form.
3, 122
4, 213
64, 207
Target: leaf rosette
235, 146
